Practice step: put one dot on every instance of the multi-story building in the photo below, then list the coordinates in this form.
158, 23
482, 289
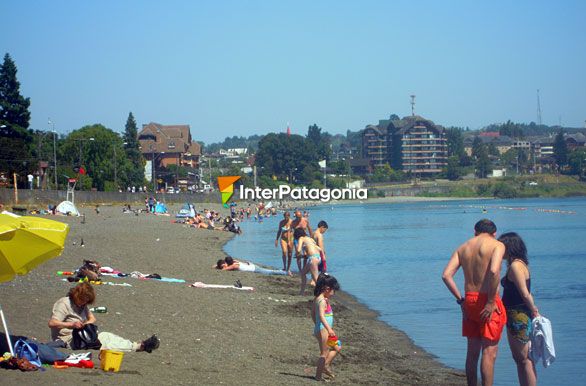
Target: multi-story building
412, 144
376, 145
168, 145
502, 143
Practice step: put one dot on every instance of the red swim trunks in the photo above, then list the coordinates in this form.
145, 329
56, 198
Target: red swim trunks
474, 327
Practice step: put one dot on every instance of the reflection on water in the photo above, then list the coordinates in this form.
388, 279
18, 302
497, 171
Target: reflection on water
391, 256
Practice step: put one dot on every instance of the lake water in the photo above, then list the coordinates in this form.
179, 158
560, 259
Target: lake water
391, 256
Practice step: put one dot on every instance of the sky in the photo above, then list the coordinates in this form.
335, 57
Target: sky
251, 67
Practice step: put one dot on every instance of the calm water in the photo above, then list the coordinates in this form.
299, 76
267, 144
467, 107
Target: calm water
391, 256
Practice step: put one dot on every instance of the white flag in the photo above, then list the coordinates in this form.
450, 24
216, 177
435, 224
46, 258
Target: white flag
322, 164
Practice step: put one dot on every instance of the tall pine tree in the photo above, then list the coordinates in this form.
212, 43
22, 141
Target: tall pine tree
13, 106
136, 174
14, 121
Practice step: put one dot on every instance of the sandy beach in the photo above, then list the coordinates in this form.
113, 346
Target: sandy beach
208, 336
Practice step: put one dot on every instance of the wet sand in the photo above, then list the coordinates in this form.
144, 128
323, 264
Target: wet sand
208, 336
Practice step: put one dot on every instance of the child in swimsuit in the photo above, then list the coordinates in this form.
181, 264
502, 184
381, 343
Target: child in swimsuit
323, 319
313, 251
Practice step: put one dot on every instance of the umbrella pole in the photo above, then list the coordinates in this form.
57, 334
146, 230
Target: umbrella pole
6, 331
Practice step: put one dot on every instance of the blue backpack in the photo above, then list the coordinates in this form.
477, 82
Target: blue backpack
28, 350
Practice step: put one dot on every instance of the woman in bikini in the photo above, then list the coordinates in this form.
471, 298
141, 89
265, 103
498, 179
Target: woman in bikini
312, 250
284, 234
521, 308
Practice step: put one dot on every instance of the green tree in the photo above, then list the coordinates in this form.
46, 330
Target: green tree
287, 157
455, 141
15, 139
492, 150
560, 149
13, 106
577, 162
100, 152
477, 147
453, 170
135, 173
320, 141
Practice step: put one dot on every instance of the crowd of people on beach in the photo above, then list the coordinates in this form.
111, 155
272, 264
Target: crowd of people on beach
295, 236
485, 314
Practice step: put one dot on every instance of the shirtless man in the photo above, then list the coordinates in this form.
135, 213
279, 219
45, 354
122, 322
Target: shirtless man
483, 313
301, 222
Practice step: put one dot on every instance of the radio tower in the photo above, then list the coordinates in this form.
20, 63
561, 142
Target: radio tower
413, 105
538, 109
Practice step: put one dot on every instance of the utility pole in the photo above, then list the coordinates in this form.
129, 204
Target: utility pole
115, 168
51, 123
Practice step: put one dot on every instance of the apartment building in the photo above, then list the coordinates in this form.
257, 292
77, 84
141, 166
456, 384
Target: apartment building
412, 144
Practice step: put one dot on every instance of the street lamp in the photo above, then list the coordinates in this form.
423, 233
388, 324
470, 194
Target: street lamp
54, 152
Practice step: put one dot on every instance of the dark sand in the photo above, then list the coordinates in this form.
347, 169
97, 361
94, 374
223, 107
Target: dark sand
208, 336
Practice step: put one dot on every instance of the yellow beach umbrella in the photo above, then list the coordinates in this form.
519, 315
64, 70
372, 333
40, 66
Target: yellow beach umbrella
26, 242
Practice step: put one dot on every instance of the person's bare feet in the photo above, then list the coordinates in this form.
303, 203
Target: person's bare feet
329, 373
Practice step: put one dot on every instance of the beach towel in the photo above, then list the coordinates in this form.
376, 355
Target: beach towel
199, 284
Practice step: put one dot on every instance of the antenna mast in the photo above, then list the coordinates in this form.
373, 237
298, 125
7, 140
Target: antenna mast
413, 105
538, 109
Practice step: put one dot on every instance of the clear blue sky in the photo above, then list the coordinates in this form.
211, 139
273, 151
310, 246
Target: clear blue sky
249, 67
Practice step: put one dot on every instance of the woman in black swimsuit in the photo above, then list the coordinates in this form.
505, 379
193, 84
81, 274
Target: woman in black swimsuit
520, 306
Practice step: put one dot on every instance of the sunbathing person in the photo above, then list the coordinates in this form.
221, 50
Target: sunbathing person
72, 312
230, 264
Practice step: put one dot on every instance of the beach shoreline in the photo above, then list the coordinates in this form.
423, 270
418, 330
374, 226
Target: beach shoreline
208, 336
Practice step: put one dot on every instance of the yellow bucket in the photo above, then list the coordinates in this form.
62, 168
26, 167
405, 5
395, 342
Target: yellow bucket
111, 360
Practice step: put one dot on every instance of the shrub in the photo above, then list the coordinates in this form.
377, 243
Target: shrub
504, 190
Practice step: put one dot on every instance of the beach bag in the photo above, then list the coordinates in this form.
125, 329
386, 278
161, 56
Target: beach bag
27, 350
48, 354
86, 338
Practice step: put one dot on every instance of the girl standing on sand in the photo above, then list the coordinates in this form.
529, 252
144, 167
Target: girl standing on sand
323, 317
285, 234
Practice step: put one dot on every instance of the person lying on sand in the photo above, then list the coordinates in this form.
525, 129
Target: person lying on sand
230, 264
72, 312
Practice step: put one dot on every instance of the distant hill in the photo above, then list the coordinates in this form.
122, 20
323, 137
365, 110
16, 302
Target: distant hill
353, 139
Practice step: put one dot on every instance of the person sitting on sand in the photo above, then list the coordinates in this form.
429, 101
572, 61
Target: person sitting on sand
72, 312
307, 244
230, 226
230, 264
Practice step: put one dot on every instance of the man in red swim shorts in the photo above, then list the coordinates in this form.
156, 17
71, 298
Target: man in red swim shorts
483, 313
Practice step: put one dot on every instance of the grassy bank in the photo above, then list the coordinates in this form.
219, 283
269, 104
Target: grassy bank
511, 187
